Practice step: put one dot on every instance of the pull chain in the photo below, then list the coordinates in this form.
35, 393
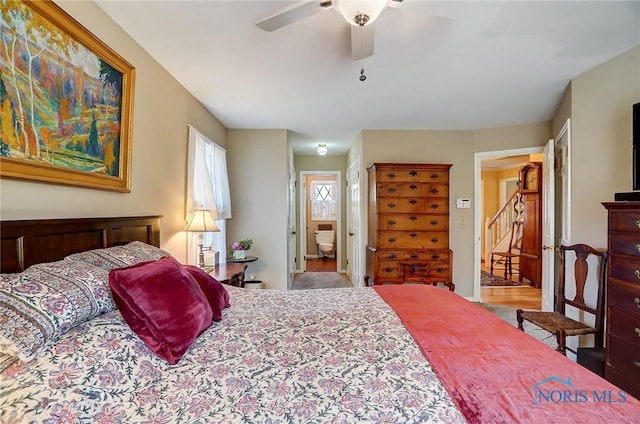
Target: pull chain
362, 77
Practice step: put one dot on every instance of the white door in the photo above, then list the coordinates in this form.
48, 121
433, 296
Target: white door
548, 221
291, 225
557, 179
354, 245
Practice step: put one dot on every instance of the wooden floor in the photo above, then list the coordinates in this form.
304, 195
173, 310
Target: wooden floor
525, 297
321, 265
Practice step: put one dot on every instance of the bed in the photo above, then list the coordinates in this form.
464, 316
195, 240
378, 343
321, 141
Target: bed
385, 354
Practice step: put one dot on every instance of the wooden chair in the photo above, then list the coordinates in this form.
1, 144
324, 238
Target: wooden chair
513, 252
237, 279
556, 322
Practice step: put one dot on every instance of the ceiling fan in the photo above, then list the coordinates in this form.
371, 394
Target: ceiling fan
361, 14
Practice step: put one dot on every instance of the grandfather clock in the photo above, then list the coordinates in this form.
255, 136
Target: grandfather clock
530, 178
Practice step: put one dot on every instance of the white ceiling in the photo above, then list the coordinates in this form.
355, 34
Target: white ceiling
437, 64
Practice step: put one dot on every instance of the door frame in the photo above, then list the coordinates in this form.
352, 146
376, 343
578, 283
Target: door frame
355, 264
302, 227
292, 264
478, 202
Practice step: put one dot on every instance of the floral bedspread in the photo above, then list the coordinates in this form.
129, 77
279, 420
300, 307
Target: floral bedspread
330, 355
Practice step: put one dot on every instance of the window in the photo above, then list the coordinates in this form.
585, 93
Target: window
208, 187
323, 200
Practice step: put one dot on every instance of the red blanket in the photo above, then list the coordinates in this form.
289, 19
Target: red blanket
494, 372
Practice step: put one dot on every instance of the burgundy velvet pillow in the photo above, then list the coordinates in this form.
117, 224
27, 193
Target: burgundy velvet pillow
215, 292
162, 304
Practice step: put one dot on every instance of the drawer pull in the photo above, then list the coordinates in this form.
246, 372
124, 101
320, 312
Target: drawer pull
413, 201
637, 302
434, 206
391, 222
413, 218
391, 190
434, 240
414, 256
435, 177
434, 223
434, 190
413, 235
391, 205
638, 331
413, 187
392, 256
388, 270
413, 173
435, 256
391, 240
637, 274
439, 269
391, 175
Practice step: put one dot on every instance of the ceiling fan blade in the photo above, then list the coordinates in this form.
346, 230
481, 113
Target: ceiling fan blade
293, 15
362, 41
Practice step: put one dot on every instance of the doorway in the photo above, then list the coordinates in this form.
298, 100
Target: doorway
503, 166
320, 211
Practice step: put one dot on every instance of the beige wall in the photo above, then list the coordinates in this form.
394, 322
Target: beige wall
598, 102
601, 144
491, 180
323, 163
452, 147
457, 148
162, 110
258, 180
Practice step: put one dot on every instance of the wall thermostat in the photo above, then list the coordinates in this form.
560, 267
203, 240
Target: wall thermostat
463, 203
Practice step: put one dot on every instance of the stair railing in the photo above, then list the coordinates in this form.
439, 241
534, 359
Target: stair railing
498, 227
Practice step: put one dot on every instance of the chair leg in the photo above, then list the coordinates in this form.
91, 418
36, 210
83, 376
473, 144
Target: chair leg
520, 319
561, 338
491, 269
506, 262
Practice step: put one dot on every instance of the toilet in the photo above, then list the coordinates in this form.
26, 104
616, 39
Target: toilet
324, 240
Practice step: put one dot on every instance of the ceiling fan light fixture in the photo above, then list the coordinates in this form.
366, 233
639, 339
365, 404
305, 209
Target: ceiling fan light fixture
322, 149
360, 13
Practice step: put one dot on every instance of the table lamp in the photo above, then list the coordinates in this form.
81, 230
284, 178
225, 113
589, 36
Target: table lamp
201, 221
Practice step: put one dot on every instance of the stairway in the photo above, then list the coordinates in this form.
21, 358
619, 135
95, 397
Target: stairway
497, 230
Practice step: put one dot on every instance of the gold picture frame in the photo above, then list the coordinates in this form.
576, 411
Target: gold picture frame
66, 101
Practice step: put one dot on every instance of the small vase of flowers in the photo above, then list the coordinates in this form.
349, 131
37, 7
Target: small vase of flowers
239, 248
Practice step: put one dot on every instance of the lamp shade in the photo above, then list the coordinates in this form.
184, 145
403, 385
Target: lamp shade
353, 10
201, 221
322, 149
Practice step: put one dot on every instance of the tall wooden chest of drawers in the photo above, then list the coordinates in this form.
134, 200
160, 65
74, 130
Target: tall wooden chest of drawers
622, 365
408, 231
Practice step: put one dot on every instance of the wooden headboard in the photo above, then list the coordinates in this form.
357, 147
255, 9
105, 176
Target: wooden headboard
25, 243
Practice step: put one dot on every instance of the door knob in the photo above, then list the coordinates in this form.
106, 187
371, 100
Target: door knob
351, 234
552, 247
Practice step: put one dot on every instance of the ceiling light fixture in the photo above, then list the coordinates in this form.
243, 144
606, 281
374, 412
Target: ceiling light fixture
360, 13
322, 149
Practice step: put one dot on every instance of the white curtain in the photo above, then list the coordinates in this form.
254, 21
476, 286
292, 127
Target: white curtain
207, 188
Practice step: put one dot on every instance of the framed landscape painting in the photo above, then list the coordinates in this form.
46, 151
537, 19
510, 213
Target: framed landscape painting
66, 101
